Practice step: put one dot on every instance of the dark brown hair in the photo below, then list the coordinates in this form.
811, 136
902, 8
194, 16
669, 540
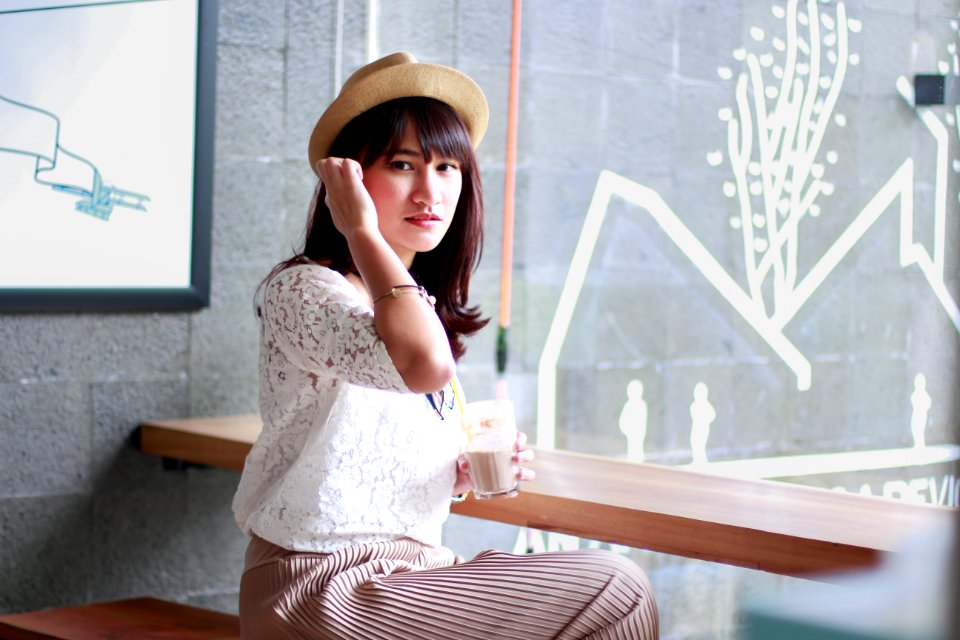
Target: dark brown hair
444, 271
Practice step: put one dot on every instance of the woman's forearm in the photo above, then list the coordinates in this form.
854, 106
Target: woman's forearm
407, 324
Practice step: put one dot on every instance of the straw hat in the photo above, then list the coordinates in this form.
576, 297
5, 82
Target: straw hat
399, 75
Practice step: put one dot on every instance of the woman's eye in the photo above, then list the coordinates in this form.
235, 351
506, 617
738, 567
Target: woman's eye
448, 166
400, 164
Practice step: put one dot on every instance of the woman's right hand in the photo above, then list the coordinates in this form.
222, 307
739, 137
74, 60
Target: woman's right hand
346, 196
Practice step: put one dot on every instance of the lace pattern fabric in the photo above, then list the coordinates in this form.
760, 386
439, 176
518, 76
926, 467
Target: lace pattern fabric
347, 455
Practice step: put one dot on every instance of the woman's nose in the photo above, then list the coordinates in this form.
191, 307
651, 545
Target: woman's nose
427, 189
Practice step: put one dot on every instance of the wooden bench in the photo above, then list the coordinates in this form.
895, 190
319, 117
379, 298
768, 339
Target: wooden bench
772, 526
138, 619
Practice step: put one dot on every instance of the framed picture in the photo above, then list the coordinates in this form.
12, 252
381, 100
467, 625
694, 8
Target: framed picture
106, 154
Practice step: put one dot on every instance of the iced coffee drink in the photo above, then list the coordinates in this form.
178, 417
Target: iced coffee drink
491, 432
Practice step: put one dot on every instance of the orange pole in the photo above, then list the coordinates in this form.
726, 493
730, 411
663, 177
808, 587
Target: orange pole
509, 184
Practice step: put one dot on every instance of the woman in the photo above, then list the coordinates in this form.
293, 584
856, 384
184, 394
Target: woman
346, 490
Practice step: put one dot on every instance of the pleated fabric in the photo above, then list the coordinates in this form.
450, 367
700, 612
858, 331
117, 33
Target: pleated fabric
404, 590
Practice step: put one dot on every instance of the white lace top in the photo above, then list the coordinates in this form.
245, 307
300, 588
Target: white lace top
347, 455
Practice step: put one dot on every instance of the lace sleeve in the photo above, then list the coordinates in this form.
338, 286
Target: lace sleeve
313, 315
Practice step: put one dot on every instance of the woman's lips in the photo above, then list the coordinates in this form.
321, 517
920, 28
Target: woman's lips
424, 220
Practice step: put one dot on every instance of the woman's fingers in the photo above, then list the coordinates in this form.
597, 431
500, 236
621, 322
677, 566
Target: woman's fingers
525, 455
463, 482
346, 196
521, 440
521, 453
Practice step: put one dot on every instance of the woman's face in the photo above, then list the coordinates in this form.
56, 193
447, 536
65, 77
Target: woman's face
415, 197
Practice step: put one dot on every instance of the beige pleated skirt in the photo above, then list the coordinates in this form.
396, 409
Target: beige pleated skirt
407, 590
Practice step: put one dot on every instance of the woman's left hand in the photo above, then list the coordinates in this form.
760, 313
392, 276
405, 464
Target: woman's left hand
463, 483
521, 454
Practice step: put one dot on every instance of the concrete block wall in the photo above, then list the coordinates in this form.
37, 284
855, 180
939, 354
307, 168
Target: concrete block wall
629, 87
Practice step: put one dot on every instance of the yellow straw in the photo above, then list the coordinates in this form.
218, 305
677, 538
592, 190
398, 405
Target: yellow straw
458, 395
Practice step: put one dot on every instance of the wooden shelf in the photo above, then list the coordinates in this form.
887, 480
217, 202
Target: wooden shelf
771, 526
141, 618
221, 441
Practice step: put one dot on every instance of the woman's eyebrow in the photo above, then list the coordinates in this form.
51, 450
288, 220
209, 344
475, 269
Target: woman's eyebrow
415, 153
402, 151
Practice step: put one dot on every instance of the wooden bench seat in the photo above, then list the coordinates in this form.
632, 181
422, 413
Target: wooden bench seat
760, 524
137, 619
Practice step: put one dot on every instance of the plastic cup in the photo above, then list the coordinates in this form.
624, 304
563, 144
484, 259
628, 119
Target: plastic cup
491, 433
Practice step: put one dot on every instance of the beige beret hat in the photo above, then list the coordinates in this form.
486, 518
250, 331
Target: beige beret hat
399, 75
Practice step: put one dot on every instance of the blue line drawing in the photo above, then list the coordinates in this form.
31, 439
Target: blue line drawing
35, 132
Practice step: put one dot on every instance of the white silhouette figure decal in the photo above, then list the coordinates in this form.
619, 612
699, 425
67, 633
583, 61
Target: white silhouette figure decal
702, 415
920, 400
633, 420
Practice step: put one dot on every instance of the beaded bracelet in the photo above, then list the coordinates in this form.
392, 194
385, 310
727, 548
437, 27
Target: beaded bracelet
401, 289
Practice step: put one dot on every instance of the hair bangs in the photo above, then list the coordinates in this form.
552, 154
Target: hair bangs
440, 131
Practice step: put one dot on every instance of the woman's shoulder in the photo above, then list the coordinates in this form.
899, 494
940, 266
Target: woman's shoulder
307, 269
311, 278
306, 274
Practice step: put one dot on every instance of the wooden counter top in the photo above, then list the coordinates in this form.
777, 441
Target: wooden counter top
760, 524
